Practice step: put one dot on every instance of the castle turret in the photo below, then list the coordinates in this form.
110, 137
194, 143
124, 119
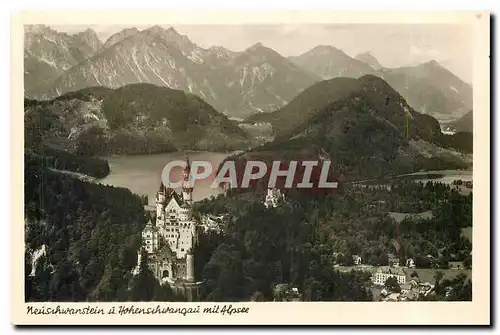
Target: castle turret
137, 268
139, 257
187, 188
160, 199
190, 266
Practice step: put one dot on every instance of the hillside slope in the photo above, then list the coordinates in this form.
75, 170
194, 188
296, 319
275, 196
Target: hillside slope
132, 119
369, 133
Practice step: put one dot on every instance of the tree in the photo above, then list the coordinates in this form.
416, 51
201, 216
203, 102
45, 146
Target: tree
392, 284
467, 262
347, 259
437, 285
383, 259
257, 296
444, 262
144, 285
281, 291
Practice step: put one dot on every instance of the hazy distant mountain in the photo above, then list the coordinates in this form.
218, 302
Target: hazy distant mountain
431, 89
329, 62
238, 84
428, 87
261, 80
368, 130
369, 59
132, 119
48, 54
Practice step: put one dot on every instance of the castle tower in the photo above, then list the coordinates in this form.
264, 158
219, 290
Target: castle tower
190, 266
160, 199
139, 257
187, 189
137, 268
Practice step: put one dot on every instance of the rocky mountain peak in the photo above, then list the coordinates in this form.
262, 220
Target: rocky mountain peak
260, 51
37, 29
120, 36
172, 31
90, 38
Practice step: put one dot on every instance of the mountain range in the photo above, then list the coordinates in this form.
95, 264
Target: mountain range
239, 84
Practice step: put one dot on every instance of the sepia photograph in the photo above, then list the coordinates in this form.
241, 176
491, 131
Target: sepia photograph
227, 165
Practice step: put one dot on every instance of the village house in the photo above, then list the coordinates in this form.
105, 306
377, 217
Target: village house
414, 282
383, 273
356, 260
405, 288
456, 265
410, 263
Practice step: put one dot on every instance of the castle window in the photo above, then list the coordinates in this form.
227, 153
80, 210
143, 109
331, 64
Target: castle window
182, 249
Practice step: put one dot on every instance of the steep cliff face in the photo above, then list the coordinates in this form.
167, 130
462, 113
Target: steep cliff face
48, 54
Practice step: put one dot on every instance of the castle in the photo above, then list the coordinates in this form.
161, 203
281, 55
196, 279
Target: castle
169, 242
273, 198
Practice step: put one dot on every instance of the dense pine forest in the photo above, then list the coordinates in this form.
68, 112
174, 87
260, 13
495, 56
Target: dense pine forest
91, 234
299, 242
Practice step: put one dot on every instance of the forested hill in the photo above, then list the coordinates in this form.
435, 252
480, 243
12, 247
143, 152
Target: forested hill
307, 103
90, 234
370, 133
389, 102
132, 119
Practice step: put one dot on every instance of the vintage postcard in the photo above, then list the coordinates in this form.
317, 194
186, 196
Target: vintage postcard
250, 168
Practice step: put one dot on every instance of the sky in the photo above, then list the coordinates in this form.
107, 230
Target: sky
393, 45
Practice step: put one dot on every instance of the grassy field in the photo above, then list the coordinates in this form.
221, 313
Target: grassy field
427, 275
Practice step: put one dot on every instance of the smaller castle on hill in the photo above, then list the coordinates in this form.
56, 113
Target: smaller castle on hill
273, 198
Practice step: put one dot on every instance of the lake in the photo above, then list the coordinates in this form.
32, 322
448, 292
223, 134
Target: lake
142, 174
447, 176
